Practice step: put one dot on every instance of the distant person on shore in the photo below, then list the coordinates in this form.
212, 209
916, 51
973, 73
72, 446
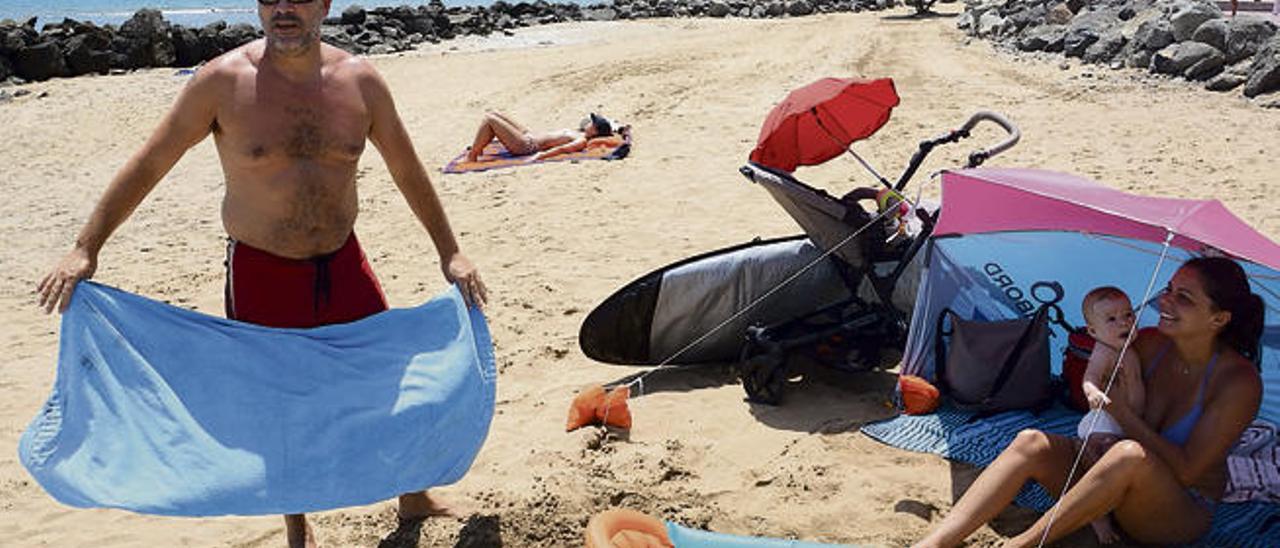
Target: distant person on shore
1235, 5
290, 117
521, 142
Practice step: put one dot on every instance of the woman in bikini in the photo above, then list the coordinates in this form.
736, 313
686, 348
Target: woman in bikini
1162, 484
522, 142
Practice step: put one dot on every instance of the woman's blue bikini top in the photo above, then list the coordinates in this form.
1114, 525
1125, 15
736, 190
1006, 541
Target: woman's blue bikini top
1180, 431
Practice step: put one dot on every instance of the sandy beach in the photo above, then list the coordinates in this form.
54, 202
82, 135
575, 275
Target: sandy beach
553, 240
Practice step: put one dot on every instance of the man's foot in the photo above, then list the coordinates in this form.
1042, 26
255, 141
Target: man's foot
422, 505
1105, 531
298, 532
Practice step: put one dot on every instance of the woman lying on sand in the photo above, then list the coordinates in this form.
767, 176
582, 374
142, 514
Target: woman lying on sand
1163, 483
520, 141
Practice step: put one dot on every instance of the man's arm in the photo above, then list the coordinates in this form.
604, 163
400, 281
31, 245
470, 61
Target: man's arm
388, 134
187, 123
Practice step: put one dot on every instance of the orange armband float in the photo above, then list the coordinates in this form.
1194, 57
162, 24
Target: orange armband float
594, 406
918, 396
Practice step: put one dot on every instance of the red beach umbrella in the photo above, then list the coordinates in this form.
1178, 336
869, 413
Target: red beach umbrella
819, 121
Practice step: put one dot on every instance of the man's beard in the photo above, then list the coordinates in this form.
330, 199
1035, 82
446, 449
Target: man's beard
294, 45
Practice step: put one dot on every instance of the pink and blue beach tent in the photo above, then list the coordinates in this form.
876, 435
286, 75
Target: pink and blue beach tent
1004, 231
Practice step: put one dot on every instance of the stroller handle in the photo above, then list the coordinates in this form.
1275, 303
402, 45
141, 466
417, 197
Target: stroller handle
978, 157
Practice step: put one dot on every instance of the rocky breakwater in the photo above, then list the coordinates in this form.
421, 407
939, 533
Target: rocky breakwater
73, 48
1190, 39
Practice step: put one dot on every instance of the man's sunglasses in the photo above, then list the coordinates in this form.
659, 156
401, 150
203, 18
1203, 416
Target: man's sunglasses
274, 2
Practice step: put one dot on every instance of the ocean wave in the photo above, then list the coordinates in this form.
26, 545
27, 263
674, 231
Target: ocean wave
165, 12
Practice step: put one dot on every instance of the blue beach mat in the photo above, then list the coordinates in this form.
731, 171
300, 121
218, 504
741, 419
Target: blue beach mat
162, 410
685, 537
958, 436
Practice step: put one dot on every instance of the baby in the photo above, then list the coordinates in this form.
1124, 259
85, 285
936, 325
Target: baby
1108, 315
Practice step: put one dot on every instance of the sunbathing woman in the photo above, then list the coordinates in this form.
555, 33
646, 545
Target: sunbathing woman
521, 142
1163, 483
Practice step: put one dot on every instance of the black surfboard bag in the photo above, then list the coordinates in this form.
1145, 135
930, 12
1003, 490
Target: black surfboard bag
991, 367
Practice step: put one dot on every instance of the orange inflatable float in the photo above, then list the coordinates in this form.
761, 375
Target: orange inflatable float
624, 528
918, 396
595, 406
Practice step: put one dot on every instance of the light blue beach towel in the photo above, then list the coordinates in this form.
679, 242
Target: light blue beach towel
162, 410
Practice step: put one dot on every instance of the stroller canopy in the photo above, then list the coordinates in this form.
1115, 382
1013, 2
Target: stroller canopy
1004, 231
817, 122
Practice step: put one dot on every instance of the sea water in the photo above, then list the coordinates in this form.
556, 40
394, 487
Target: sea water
190, 13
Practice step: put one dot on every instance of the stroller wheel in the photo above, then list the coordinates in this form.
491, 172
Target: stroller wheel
764, 377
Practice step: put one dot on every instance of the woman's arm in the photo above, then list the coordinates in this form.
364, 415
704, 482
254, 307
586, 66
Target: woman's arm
575, 145
1230, 404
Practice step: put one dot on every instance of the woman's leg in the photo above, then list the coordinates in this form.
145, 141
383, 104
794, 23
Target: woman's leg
511, 135
510, 122
1033, 455
1147, 500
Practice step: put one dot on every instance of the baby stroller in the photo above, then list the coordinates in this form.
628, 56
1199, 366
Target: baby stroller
875, 253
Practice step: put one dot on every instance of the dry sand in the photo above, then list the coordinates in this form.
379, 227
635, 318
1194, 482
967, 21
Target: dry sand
553, 240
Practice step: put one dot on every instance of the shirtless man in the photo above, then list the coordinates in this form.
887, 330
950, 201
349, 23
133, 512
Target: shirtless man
290, 117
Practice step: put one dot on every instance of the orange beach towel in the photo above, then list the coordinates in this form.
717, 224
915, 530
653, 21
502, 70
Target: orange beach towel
495, 156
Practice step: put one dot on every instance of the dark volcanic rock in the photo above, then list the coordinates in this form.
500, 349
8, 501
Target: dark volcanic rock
1264, 73
1207, 67
1086, 29
1246, 36
1225, 82
1044, 38
40, 61
88, 53
147, 38
1106, 48
1212, 32
798, 8
1177, 58
237, 35
353, 15
1187, 16
1153, 35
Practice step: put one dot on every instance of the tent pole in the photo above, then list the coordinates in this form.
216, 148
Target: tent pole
1133, 330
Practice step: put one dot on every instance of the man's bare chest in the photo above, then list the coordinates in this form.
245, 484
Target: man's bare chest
262, 127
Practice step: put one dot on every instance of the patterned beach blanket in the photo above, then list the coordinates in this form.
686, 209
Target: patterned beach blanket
496, 156
1254, 465
962, 437
162, 410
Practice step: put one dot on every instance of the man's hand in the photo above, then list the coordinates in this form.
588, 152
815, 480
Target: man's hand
458, 269
56, 287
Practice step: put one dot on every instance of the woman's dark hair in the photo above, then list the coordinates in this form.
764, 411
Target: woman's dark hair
1228, 287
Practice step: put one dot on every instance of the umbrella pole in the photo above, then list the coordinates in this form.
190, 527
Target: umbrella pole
849, 149
873, 171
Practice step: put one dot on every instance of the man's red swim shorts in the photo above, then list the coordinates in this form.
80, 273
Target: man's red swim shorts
270, 290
